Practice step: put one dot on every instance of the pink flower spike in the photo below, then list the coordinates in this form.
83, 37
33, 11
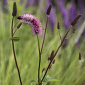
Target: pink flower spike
32, 21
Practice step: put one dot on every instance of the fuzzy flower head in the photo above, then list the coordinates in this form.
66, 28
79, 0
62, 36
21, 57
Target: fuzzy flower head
32, 21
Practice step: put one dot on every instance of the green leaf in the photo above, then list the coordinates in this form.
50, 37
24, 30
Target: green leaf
14, 39
48, 77
51, 79
54, 80
34, 82
44, 83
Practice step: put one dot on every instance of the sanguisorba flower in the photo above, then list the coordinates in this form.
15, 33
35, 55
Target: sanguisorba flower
32, 21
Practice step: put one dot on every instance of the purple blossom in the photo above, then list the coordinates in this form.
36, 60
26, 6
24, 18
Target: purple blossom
4, 2
83, 34
64, 12
72, 11
38, 2
78, 42
5, 10
30, 3
32, 21
81, 6
21, 1
52, 18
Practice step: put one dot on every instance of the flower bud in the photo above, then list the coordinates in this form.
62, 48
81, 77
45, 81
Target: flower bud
19, 26
75, 20
53, 61
48, 58
51, 56
19, 17
58, 25
79, 56
49, 9
14, 9
43, 69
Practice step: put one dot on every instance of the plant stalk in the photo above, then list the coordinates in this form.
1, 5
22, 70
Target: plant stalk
14, 53
44, 35
60, 35
55, 54
40, 51
39, 60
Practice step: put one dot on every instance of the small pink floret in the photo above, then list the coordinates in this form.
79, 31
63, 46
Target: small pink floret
33, 22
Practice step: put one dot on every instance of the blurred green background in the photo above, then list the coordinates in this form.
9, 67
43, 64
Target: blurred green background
68, 70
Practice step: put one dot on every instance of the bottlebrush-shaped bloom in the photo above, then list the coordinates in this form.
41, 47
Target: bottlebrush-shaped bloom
32, 21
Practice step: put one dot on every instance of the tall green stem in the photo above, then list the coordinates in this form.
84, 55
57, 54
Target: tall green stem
44, 35
39, 60
14, 52
40, 51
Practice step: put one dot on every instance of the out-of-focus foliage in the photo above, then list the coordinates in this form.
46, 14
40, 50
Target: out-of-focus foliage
67, 68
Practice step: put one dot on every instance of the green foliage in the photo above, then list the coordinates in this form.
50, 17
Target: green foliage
14, 39
67, 70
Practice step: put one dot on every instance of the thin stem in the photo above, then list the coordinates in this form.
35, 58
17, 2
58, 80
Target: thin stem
55, 54
40, 51
69, 36
39, 60
12, 27
44, 35
60, 35
15, 31
15, 24
14, 53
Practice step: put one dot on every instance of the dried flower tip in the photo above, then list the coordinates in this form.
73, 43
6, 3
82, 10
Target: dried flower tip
75, 20
43, 69
74, 30
48, 58
49, 9
19, 17
79, 56
58, 25
53, 61
19, 26
32, 21
14, 9
52, 54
